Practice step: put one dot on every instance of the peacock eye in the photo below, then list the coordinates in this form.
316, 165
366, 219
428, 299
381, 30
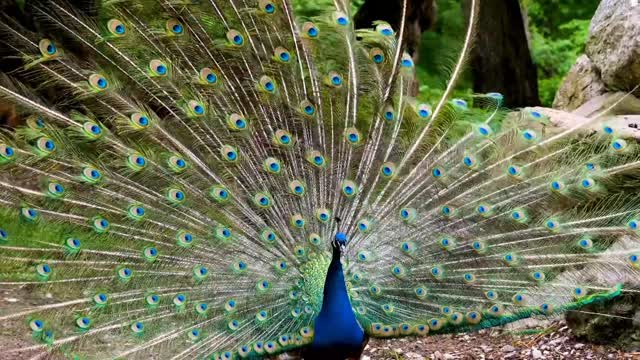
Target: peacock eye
352, 135
334, 79
116, 27
484, 130
267, 84
281, 54
618, 145
407, 62
272, 165
98, 82
235, 38
377, 55
200, 272
307, 108
229, 153
298, 221
125, 274
423, 111
174, 27
7, 153
176, 196
55, 189
136, 162
310, 30
158, 68
262, 200
384, 29
341, 19
48, 48
267, 6
296, 187
349, 188
196, 108
460, 104
45, 146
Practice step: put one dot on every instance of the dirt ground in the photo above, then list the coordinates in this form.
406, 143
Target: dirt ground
553, 341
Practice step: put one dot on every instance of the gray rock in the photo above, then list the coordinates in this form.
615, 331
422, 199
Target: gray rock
614, 43
508, 348
413, 356
536, 354
581, 84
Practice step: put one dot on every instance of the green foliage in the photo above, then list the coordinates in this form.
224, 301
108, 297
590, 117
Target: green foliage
309, 8
559, 30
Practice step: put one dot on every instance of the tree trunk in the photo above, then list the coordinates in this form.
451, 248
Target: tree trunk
501, 59
420, 16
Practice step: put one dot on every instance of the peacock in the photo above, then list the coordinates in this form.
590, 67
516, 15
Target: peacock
227, 179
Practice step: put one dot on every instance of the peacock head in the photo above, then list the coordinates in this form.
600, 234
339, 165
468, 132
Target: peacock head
340, 240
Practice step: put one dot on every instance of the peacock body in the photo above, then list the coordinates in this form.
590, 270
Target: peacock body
224, 179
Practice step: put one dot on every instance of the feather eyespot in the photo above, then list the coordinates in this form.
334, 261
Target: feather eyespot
177, 163
48, 48
100, 224
296, 187
388, 170
116, 27
220, 193
262, 200
136, 162
283, 138
407, 62
423, 111
150, 253
176, 196
158, 68
377, 55
98, 82
310, 30
136, 212
316, 159
45, 146
229, 153
267, 6
353, 136
174, 27
55, 189
235, 38
237, 122
340, 18
7, 153
91, 175
349, 188
323, 215
208, 76
184, 239
267, 84
384, 29
307, 108
92, 130
334, 79
281, 54
298, 221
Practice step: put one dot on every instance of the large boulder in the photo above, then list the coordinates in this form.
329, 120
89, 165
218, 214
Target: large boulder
612, 56
614, 43
581, 84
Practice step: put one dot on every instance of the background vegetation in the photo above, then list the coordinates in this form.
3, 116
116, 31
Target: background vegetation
558, 30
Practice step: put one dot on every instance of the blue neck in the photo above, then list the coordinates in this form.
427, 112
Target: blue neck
336, 331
